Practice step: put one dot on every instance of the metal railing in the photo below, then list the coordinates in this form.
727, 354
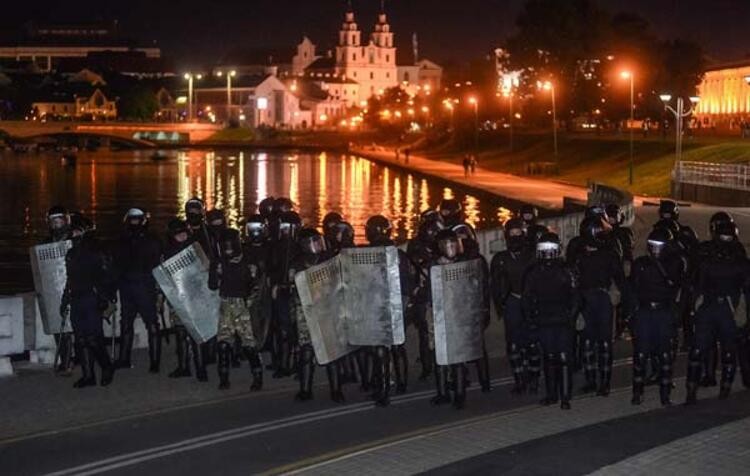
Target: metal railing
731, 176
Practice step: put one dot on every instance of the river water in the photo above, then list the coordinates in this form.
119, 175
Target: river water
104, 184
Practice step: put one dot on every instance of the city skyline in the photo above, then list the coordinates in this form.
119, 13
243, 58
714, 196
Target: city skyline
448, 32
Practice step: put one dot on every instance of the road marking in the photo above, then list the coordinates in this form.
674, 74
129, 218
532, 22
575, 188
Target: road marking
129, 459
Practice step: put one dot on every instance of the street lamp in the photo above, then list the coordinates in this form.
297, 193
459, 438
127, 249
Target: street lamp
190, 77
680, 113
230, 75
629, 76
548, 86
474, 102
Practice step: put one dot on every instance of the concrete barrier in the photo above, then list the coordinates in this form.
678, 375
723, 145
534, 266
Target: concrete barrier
11, 332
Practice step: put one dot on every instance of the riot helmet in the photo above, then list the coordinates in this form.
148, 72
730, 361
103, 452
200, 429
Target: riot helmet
289, 224
515, 235
79, 226
669, 210
657, 242
135, 219
428, 216
178, 231
195, 211
343, 235
256, 229
429, 230
593, 232
726, 232
668, 224
717, 219
448, 244
529, 214
615, 214
330, 221
548, 247
265, 207
450, 211
378, 230
282, 205
311, 242
230, 243
216, 221
58, 221
468, 238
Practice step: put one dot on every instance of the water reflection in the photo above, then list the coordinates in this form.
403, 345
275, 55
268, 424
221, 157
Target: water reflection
105, 184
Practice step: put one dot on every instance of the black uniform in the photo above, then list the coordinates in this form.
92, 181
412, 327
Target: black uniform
507, 272
654, 284
549, 301
88, 291
136, 254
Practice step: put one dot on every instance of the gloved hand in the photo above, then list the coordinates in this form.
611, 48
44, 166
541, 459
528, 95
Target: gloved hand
109, 310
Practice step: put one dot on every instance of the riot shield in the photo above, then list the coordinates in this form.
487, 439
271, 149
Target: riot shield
260, 311
321, 292
458, 310
48, 269
374, 310
183, 279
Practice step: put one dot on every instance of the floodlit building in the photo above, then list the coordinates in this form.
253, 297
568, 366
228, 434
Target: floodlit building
725, 96
80, 102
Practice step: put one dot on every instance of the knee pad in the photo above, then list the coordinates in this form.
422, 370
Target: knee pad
695, 356
728, 357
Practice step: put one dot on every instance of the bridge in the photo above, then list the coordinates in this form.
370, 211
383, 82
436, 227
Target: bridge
136, 134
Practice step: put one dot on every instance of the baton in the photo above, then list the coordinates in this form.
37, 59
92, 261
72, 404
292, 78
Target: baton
59, 344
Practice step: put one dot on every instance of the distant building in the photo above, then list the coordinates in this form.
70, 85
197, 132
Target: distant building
74, 102
47, 45
725, 96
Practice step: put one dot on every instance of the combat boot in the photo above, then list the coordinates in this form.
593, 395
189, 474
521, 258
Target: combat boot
459, 377
306, 372
639, 371
198, 360
224, 357
693, 376
105, 363
383, 391
154, 349
534, 368
181, 351
256, 368
710, 363
550, 381
605, 369
237, 352
334, 383
86, 360
728, 369
364, 368
483, 372
441, 384
126, 349
65, 352
565, 381
515, 360
589, 367
401, 367
426, 356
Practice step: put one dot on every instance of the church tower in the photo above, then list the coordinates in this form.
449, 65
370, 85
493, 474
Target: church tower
349, 49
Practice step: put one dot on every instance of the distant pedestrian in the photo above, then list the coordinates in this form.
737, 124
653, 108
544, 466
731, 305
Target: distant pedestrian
407, 152
398, 153
473, 164
467, 164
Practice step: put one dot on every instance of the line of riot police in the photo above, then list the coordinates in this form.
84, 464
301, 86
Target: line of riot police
308, 298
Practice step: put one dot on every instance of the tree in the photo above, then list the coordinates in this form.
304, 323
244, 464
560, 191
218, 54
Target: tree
137, 102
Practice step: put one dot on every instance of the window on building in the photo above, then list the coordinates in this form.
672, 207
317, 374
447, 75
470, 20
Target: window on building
352, 38
406, 77
354, 56
372, 75
304, 55
355, 74
388, 75
387, 58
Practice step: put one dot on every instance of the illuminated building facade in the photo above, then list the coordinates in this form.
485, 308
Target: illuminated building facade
725, 96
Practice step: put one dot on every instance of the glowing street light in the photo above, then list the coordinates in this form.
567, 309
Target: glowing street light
190, 77
628, 75
548, 86
230, 75
680, 113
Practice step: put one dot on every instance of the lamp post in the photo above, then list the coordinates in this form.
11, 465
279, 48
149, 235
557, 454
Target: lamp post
548, 86
680, 113
190, 77
474, 102
629, 76
230, 75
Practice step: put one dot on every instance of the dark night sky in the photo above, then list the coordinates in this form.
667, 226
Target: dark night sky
192, 31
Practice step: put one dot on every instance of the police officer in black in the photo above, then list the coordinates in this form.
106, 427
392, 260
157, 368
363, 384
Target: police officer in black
597, 268
284, 249
216, 223
534, 230
451, 212
624, 237
58, 223
257, 249
654, 281
722, 277
378, 233
89, 294
550, 302
312, 251
178, 238
136, 254
195, 216
507, 271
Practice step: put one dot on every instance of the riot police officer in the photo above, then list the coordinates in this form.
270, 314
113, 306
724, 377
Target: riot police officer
195, 216
312, 251
340, 236
598, 267
58, 223
257, 248
89, 291
534, 230
178, 238
722, 277
137, 253
330, 221
236, 279
451, 212
216, 223
283, 251
549, 300
507, 271
265, 209
378, 233
655, 280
